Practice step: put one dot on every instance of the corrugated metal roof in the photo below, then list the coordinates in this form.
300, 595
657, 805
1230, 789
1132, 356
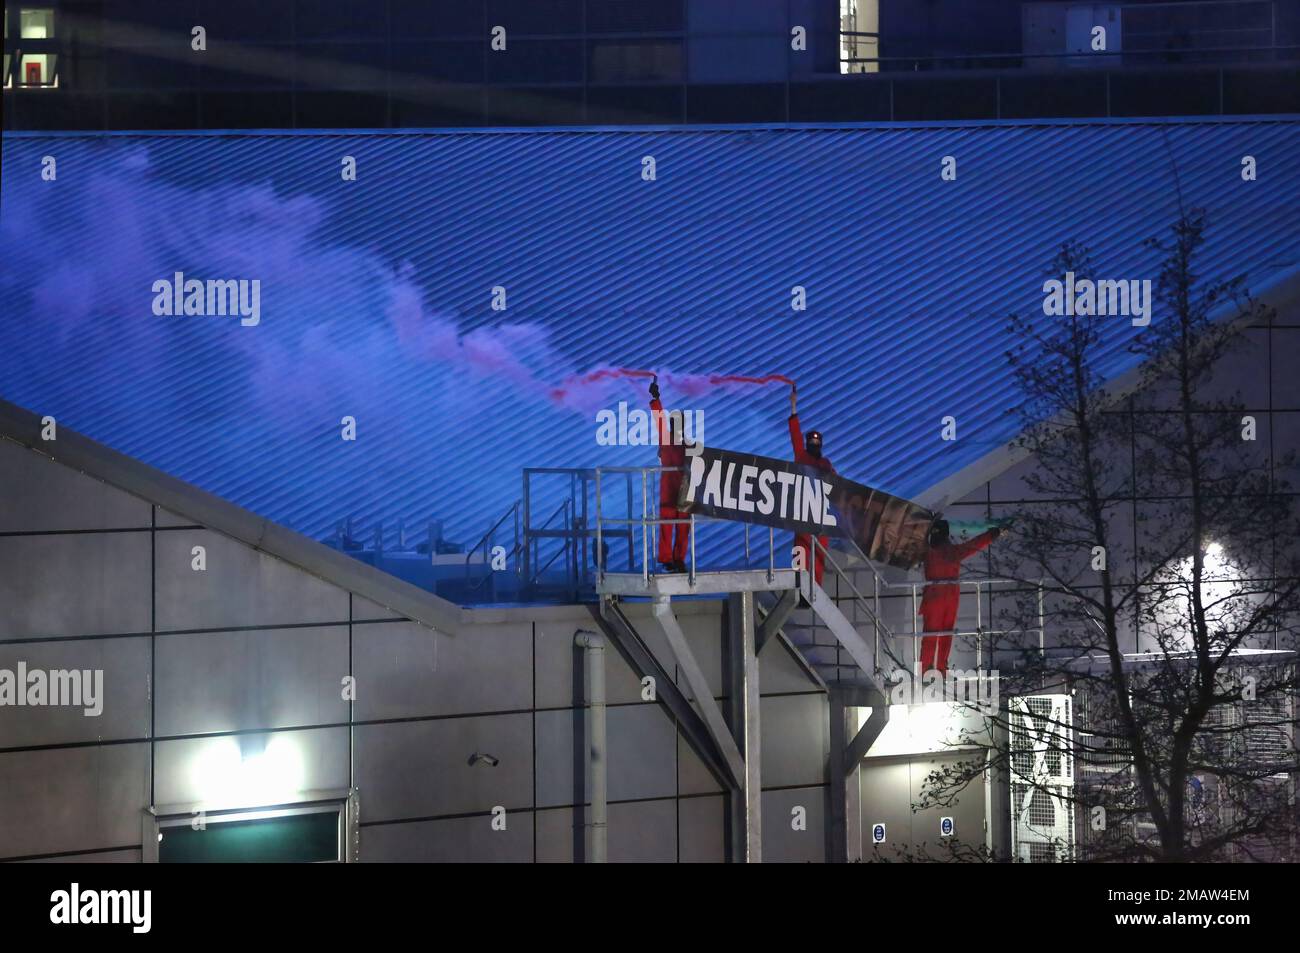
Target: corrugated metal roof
375, 293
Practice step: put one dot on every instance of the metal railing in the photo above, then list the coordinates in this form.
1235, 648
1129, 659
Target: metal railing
532, 575
486, 542
650, 520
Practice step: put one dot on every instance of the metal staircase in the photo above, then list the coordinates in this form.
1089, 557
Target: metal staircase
828, 645
762, 604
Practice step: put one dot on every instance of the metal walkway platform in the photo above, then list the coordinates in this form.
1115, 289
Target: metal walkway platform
634, 584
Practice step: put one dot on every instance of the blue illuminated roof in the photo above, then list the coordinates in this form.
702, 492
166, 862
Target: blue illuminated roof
375, 298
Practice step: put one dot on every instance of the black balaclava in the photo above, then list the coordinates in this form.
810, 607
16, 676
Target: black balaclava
813, 443
940, 533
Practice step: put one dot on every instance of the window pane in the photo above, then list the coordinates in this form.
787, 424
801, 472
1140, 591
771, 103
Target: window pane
297, 838
36, 24
536, 16
537, 61
37, 69
621, 61
422, 59
340, 19
430, 18
630, 16
258, 22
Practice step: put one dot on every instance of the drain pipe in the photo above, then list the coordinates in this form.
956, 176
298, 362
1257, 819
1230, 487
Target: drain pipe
594, 646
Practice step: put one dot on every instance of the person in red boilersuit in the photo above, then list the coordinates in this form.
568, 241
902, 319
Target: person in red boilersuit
809, 453
940, 600
674, 538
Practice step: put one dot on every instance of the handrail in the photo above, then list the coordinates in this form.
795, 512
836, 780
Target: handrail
650, 518
861, 600
512, 508
486, 537
563, 507
979, 632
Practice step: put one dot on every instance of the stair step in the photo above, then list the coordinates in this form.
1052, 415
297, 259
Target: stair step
806, 639
817, 655
838, 671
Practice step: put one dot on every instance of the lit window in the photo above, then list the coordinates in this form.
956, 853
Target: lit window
37, 24
859, 36
313, 834
35, 69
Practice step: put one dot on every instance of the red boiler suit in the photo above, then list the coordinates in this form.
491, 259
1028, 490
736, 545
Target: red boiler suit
801, 455
674, 538
939, 603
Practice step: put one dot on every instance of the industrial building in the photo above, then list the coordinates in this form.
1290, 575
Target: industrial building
361, 580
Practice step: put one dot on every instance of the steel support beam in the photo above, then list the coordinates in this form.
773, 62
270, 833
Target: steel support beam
865, 738
698, 688
837, 835
623, 636
853, 814
774, 620
843, 787
840, 627
745, 829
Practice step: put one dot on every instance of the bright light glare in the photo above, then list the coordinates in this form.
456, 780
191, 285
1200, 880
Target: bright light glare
226, 779
1220, 593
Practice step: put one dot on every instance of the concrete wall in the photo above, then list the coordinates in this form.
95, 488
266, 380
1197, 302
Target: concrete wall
251, 652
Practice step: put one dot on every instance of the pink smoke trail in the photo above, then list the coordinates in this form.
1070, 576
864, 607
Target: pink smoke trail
688, 385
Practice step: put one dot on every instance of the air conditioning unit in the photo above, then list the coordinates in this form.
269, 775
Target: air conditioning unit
1069, 756
1042, 778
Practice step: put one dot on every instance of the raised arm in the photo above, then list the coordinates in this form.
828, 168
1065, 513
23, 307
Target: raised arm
796, 436
659, 420
973, 546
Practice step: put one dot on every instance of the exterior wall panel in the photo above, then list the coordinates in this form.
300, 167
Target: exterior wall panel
124, 692
454, 840
642, 755
421, 769
72, 799
74, 584
406, 670
271, 592
642, 832
242, 681
43, 496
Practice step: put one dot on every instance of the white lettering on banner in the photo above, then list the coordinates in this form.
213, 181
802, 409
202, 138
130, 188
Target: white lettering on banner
766, 501
732, 487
